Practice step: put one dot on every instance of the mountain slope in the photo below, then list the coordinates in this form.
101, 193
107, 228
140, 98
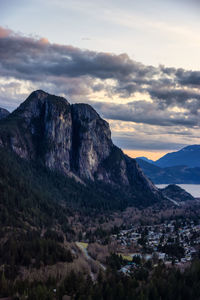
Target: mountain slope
188, 156
32, 195
176, 193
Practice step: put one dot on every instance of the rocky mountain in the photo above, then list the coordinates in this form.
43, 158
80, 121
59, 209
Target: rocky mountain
73, 140
176, 193
3, 113
188, 156
177, 174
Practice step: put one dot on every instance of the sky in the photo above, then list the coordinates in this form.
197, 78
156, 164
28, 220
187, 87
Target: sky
136, 62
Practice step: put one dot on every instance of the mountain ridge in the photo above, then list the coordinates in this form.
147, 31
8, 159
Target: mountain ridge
170, 175
146, 159
188, 156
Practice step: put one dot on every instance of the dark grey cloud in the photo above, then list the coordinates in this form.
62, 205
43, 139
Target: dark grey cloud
78, 73
32, 59
189, 78
37, 59
167, 97
145, 112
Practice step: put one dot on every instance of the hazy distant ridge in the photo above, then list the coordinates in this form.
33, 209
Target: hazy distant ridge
178, 167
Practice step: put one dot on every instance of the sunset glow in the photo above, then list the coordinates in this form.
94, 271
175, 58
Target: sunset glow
152, 155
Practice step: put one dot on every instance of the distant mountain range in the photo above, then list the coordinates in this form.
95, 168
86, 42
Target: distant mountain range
178, 167
188, 156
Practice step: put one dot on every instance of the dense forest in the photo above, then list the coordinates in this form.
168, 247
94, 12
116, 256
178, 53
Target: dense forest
141, 284
36, 206
30, 190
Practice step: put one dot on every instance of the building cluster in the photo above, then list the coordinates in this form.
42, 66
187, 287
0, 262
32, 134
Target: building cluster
172, 242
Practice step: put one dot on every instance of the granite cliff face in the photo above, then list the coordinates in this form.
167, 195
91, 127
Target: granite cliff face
91, 140
40, 129
71, 139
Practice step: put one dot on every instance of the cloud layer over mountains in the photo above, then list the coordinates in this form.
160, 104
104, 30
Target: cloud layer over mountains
123, 90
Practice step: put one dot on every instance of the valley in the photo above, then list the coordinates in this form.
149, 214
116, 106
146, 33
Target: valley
77, 212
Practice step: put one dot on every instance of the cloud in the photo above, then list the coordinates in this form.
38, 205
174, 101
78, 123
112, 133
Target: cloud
34, 59
4, 32
147, 144
118, 87
139, 136
19, 55
145, 112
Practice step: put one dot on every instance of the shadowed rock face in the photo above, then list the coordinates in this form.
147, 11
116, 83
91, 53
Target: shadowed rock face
3, 113
91, 142
41, 129
72, 139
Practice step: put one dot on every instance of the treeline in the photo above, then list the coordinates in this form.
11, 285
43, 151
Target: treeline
161, 283
27, 196
32, 250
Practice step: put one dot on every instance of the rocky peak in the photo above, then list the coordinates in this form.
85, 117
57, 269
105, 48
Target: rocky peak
40, 129
3, 113
71, 139
40, 102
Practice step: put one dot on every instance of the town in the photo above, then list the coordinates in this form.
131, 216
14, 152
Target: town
172, 242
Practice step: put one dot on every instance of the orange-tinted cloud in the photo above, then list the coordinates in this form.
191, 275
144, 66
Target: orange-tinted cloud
4, 32
44, 41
